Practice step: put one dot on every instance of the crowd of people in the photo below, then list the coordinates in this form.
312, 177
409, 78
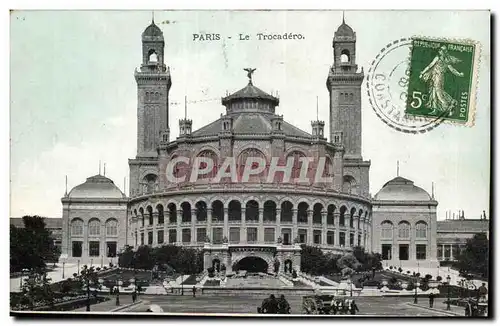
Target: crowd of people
272, 305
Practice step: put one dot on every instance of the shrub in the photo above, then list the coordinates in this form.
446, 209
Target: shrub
408, 272
371, 283
294, 273
211, 272
428, 276
400, 270
439, 278
393, 280
417, 275
390, 267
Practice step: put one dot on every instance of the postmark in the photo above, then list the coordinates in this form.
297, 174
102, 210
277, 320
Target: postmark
387, 87
442, 79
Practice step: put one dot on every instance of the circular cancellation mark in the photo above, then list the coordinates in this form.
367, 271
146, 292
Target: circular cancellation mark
387, 85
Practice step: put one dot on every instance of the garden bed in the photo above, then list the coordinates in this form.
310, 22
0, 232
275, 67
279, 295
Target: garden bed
191, 280
212, 283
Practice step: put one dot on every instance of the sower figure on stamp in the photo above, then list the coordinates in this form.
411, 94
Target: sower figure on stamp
434, 76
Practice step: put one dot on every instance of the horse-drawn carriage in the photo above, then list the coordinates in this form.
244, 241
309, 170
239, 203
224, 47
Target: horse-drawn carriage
326, 305
476, 308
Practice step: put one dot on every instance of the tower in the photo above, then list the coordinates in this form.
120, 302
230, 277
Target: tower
344, 85
153, 85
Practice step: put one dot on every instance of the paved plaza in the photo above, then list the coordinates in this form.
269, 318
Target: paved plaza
247, 304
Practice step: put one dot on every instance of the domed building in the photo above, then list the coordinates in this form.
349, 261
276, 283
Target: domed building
405, 224
266, 187
94, 221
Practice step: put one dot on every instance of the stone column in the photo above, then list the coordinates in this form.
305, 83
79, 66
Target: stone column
260, 229
356, 231
178, 227
85, 244
155, 230
337, 228
209, 223
295, 228
102, 241
413, 250
278, 224
193, 226
324, 229
243, 229
225, 231
310, 237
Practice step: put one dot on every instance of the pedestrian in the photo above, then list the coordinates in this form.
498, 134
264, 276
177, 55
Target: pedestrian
431, 299
283, 305
353, 308
194, 291
270, 306
483, 291
134, 296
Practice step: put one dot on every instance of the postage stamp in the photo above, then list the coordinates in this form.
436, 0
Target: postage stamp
387, 88
442, 79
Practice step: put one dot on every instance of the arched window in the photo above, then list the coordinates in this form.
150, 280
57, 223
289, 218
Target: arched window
141, 211
186, 212
302, 212
386, 230
234, 210
297, 164
94, 227
161, 216
330, 219
203, 165
270, 211
404, 230
286, 211
150, 214
345, 56
343, 209
360, 217
111, 227
77, 227
217, 211
252, 211
317, 213
242, 160
351, 217
152, 56
201, 211
350, 185
150, 183
172, 213
421, 230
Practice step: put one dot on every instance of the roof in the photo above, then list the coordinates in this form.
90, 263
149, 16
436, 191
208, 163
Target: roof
344, 30
466, 225
252, 123
152, 31
250, 92
401, 189
50, 222
97, 186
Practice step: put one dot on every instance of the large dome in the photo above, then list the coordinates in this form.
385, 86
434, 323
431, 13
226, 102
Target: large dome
97, 186
401, 189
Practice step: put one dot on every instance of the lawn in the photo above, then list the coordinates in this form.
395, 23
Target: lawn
191, 280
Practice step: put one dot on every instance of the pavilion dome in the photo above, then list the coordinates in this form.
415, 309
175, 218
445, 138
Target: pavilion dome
344, 30
401, 189
97, 186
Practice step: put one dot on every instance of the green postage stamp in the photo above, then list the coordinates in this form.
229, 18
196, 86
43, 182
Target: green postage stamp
442, 81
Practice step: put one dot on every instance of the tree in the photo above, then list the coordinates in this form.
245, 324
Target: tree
126, 257
32, 246
312, 260
474, 257
89, 278
36, 289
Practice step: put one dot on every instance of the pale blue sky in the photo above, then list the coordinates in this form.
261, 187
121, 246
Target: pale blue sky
73, 93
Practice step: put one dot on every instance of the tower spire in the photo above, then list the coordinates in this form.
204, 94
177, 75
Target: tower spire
152, 16
432, 190
343, 17
185, 107
99, 167
397, 172
66, 191
104, 169
317, 108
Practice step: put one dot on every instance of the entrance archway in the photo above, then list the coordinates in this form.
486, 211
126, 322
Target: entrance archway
252, 264
288, 266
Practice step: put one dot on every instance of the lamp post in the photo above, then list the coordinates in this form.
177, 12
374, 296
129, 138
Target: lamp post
78, 267
132, 281
448, 278
118, 283
63, 270
182, 285
91, 261
350, 285
102, 258
417, 284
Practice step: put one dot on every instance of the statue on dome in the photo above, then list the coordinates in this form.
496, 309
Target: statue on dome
250, 71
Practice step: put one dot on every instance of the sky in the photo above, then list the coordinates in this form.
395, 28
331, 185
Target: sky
73, 97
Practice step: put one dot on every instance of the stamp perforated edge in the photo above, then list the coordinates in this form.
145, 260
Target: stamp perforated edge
474, 82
